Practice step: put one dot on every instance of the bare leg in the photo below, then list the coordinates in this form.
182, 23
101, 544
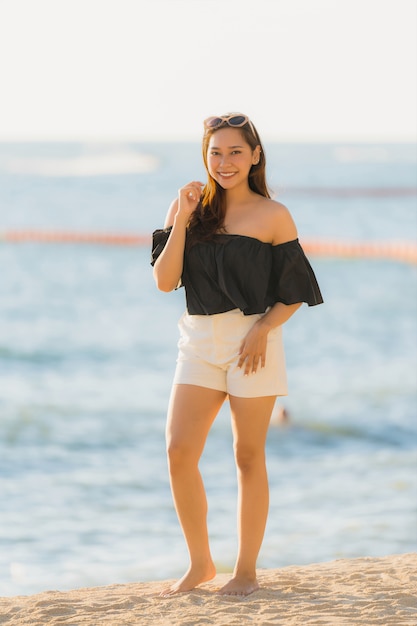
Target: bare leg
191, 413
250, 421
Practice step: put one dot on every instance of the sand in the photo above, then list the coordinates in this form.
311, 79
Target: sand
362, 591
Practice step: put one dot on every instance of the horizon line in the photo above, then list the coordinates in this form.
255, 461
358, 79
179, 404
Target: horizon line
135, 138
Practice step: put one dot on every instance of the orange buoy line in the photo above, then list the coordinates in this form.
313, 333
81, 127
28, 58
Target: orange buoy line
398, 251
58, 236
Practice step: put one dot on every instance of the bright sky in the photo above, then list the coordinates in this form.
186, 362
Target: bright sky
154, 69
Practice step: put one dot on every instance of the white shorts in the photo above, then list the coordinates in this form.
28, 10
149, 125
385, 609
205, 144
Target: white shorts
209, 352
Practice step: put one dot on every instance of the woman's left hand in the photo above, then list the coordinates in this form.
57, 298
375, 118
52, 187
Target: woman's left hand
253, 350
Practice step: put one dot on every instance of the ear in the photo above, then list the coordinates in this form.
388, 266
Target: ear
256, 155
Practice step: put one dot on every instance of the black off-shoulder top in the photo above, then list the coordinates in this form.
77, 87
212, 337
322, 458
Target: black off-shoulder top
240, 272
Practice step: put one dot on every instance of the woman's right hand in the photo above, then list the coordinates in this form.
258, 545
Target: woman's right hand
189, 197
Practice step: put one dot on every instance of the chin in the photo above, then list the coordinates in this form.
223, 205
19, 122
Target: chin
226, 184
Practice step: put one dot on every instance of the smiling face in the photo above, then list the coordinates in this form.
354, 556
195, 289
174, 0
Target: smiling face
230, 158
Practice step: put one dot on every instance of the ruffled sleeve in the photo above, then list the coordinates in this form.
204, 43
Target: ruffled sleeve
159, 240
292, 277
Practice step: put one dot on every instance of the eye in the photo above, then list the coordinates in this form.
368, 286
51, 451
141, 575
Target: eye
214, 153
236, 152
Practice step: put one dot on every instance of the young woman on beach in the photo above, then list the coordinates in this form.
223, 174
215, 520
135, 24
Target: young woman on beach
236, 252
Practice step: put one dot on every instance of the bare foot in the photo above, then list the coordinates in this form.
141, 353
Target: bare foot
239, 586
193, 577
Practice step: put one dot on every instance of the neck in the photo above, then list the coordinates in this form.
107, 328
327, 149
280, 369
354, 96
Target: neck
238, 196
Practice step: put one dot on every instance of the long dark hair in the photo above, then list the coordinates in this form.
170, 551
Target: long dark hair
208, 217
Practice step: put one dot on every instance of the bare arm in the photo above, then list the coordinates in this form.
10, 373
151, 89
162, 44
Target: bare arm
283, 228
253, 348
168, 267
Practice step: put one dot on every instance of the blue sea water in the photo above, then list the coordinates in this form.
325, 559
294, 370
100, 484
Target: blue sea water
88, 347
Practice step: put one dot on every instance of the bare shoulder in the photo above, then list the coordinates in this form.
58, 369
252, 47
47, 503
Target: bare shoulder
281, 225
173, 207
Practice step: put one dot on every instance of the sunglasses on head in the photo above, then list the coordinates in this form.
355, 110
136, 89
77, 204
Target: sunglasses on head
236, 120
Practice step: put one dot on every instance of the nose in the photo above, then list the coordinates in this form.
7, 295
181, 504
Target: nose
224, 159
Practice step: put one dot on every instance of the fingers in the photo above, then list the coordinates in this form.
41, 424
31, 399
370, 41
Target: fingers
252, 352
191, 191
252, 366
189, 197
250, 362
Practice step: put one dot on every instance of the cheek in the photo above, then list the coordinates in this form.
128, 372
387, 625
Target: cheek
212, 163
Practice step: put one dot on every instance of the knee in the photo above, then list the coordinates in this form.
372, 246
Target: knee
248, 458
180, 457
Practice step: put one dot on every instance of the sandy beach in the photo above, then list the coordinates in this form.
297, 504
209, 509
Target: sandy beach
362, 591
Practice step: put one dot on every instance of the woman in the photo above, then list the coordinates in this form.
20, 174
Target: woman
236, 252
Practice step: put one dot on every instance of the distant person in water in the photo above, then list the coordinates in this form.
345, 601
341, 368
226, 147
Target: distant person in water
236, 252
280, 416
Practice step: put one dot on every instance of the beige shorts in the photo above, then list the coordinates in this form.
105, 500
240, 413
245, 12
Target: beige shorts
208, 353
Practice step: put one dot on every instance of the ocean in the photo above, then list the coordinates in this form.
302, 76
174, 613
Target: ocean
88, 348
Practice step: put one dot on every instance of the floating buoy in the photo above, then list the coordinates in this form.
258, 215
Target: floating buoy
397, 251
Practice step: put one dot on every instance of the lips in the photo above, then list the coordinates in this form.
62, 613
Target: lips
226, 174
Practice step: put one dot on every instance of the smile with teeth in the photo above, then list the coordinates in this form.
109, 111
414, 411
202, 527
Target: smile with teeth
227, 174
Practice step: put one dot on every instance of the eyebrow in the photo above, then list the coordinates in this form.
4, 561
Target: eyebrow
229, 148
